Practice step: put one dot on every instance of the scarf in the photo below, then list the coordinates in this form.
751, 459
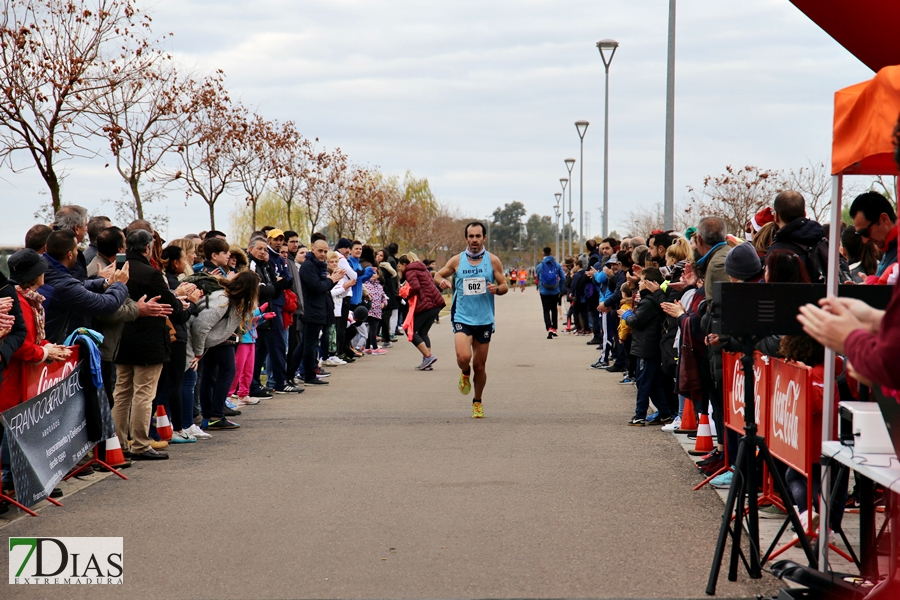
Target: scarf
706, 256
37, 309
475, 257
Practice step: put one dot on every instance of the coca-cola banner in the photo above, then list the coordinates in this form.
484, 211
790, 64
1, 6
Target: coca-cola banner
734, 391
790, 417
47, 435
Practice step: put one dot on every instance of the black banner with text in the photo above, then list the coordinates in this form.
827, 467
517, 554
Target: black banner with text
47, 436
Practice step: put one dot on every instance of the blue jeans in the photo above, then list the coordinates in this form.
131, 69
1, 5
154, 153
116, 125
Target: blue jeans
594, 322
649, 387
271, 344
187, 397
217, 367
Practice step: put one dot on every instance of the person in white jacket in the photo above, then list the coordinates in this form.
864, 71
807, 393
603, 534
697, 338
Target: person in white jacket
214, 335
338, 293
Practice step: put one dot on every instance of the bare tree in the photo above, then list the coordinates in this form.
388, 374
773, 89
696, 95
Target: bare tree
140, 118
353, 205
293, 156
324, 183
208, 140
814, 182
255, 158
56, 58
644, 219
734, 196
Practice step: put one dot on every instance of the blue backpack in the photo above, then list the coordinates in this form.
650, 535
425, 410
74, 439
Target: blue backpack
550, 275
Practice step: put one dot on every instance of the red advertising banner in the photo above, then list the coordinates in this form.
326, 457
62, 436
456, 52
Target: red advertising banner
39, 377
733, 376
790, 415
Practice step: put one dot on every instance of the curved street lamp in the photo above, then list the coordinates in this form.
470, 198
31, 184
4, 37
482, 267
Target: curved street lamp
606, 47
570, 162
581, 127
556, 210
563, 181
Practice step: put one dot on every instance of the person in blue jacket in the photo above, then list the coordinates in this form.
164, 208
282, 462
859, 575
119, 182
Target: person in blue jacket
70, 303
550, 278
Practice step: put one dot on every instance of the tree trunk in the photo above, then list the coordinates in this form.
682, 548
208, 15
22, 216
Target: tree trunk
290, 226
138, 207
212, 215
53, 183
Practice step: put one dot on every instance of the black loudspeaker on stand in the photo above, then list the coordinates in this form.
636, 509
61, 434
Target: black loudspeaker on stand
747, 312
743, 491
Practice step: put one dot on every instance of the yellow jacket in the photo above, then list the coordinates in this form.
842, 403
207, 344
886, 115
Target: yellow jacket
624, 329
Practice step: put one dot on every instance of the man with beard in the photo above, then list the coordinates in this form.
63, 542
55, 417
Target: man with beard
478, 277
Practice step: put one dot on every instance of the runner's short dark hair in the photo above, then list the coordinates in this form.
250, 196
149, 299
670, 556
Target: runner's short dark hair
474, 224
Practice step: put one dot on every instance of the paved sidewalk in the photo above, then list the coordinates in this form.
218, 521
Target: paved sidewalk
381, 485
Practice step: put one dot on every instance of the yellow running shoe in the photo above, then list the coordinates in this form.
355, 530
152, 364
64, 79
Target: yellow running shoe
464, 386
477, 411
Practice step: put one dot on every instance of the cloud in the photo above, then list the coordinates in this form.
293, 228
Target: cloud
481, 97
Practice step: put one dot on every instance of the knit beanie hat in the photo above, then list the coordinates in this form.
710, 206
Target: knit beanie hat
742, 262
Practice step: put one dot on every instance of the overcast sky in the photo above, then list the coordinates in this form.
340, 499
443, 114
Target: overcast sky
481, 97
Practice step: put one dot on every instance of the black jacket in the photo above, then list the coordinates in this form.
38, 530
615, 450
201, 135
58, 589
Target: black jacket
316, 290
180, 322
268, 290
145, 341
800, 236
16, 336
646, 325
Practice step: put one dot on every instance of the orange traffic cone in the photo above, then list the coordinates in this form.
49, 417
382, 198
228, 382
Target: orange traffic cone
688, 418
704, 443
163, 427
114, 455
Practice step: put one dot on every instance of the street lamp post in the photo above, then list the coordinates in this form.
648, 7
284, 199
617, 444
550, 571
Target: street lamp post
669, 189
556, 210
567, 242
570, 162
581, 127
606, 46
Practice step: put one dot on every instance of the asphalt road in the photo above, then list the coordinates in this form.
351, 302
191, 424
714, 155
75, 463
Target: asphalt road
382, 485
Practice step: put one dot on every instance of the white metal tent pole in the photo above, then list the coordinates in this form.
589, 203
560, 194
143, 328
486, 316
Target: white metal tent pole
831, 288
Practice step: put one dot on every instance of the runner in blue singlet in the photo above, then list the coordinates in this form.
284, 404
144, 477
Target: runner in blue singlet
478, 277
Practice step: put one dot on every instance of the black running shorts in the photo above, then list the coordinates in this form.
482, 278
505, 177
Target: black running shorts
479, 333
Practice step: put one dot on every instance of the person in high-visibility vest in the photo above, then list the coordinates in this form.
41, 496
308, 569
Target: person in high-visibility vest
523, 279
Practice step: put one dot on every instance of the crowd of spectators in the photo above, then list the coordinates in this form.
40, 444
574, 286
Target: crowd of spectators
201, 326
645, 304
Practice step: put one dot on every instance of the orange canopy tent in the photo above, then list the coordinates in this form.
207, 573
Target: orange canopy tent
864, 118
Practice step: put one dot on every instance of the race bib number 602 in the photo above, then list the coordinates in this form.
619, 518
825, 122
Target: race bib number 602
474, 286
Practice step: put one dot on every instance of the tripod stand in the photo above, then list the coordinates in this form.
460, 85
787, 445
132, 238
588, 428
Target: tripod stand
744, 486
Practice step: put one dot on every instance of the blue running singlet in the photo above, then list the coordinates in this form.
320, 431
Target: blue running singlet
473, 304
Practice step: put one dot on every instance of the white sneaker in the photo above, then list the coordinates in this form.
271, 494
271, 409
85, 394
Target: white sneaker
676, 424
182, 437
198, 433
334, 361
246, 401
